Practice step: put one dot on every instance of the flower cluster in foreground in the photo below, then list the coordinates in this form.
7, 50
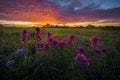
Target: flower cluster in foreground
24, 36
93, 45
82, 59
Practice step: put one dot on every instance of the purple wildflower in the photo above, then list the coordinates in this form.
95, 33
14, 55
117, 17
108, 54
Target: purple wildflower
46, 46
21, 51
50, 39
49, 34
37, 36
82, 59
41, 45
94, 41
104, 50
55, 42
24, 36
62, 43
71, 38
81, 49
37, 29
97, 50
10, 63
73, 48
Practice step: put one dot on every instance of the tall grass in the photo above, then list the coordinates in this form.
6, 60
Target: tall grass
58, 63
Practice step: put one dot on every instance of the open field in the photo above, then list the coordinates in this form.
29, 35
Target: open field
58, 62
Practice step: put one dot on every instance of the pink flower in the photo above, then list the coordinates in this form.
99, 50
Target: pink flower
41, 45
46, 46
55, 42
97, 50
71, 38
37, 29
104, 50
81, 49
49, 34
37, 36
62, 43
50, 39
94, 41
24, 36
82, 59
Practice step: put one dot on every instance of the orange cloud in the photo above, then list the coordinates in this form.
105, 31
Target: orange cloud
56, 12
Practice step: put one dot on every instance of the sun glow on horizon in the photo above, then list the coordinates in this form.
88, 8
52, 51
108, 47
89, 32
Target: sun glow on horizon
19, 23
70, 24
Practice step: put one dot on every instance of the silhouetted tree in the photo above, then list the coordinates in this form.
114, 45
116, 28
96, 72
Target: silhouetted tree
90, 27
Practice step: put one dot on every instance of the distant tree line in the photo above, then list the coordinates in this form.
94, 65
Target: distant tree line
54, 26
87, 27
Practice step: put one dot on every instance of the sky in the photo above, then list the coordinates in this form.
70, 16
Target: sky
60, 12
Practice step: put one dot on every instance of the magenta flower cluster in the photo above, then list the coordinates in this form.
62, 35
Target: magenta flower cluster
37, 36
93, 45
82, 59
24, 36
71, 39
94, 41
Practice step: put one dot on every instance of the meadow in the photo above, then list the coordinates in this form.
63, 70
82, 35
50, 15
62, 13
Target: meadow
74, 56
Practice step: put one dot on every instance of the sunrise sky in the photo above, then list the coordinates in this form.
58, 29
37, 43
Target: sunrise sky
59, 12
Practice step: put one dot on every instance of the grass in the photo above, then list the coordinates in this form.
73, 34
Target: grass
57, 63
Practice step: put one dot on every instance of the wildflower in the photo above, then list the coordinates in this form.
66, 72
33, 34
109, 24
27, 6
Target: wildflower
73, 48
94, 41
21, 51
104, 50
41, 45
49, 34
24, 36
55, 42
82, 59
37, 29
71, 38
62, 43
10, 63
46, 46
97, 50
81, 49
50, 40
37, 36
